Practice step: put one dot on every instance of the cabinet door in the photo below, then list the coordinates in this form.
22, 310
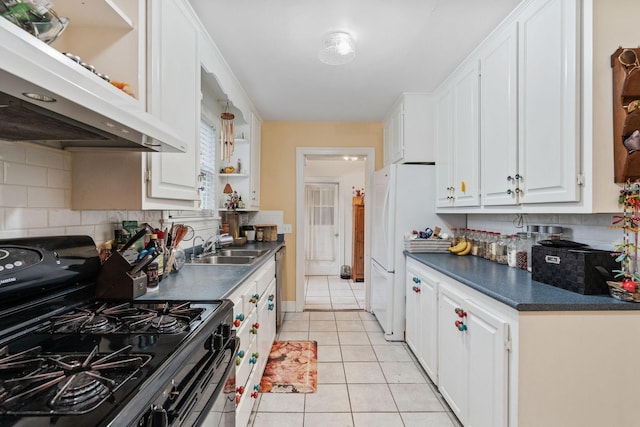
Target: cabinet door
428, 310
488, 337
548, 101
267, 322
444, 140
452, 353
394, 141
465, 118
173, 96
254, 178
413, 326
499, 118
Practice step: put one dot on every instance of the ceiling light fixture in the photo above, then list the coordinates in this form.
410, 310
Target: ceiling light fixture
337, 49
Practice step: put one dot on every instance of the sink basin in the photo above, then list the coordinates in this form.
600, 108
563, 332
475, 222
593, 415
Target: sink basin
223, 259
244, 252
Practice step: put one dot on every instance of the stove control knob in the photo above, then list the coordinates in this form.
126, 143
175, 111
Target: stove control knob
217, 343
226, 330
157, 417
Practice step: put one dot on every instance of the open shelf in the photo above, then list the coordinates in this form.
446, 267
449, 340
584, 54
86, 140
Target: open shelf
94, 14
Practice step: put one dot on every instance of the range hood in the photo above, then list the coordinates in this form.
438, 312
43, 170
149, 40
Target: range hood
48, 99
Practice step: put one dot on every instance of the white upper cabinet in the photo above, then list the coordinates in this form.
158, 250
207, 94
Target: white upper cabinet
444, 137
549, 101
465, 121
408, 130
254, 178
516, 140
173, 96
457, 139
154, 180
499, 119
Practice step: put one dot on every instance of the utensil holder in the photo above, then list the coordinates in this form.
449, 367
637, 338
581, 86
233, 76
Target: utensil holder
116, 283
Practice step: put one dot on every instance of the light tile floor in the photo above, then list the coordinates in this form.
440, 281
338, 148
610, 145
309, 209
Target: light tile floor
363, 380
333, 293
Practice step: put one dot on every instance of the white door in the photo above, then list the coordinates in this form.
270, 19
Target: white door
322, 235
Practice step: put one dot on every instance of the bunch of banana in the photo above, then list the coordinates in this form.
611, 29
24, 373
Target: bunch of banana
462, 248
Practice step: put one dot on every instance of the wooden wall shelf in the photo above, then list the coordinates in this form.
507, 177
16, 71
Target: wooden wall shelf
626, 89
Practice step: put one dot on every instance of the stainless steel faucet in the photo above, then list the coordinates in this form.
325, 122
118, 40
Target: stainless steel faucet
193, 246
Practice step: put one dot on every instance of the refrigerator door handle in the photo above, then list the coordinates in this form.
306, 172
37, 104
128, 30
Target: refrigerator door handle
385, 219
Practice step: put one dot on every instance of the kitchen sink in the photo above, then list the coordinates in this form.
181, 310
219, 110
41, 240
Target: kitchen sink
223, 259
230, 256
243, 252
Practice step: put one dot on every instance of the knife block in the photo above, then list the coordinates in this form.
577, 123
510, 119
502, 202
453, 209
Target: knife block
116, 283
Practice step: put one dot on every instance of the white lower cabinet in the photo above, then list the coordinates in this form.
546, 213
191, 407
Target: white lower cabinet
255, 324
462, 340
421, 333
499, 367
473, 350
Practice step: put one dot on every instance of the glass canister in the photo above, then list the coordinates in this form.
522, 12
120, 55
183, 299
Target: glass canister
493, 246
501, 248
523, 249
531, 239
512, 251
455, 236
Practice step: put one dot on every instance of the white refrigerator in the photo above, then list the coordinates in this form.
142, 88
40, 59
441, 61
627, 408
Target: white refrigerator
403, 200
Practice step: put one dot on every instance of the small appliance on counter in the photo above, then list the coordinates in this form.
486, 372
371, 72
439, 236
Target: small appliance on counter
572, 266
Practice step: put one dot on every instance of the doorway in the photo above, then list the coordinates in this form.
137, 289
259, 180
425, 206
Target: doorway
325, 226
322, 246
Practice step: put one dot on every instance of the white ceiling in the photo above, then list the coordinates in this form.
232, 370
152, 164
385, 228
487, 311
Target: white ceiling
402, 46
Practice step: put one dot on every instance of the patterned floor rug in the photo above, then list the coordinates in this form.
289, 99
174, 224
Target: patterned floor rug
292, 368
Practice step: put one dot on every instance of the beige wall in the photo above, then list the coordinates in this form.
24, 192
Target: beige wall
278, 169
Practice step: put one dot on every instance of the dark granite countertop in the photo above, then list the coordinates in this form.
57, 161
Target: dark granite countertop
201, 282
514, 287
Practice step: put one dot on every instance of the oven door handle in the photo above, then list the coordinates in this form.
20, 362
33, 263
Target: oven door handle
234, 345
158, 417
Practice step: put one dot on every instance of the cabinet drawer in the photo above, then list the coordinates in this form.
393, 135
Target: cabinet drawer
265, 276
242, 300
248, 346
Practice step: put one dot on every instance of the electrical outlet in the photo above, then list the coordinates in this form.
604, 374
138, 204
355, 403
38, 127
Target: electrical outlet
286, 229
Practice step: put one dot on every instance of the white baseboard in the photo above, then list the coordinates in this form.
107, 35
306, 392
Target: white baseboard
288, 306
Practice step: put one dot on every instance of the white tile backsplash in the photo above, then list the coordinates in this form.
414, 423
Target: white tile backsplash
57, 178
64, 218
592, 229
46, 197
13, 196
22, 174
13, 152
48, 159
35, 200
25, 218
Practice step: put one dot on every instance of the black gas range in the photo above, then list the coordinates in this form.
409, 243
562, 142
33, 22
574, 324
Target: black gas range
68, 358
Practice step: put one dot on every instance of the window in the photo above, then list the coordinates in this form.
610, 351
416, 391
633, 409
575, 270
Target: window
207, 166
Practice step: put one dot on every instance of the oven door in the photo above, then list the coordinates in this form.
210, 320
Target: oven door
217, 407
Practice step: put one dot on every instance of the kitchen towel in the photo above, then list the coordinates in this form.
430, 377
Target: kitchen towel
292, 368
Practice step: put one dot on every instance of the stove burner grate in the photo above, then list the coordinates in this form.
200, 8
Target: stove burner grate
123, 318
67, 383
